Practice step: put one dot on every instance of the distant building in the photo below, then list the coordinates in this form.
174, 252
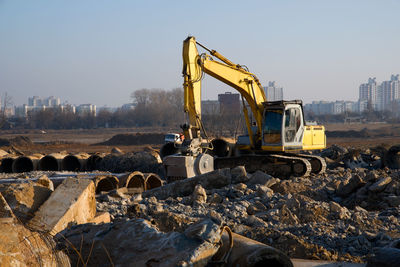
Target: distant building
273, 92
380, 96
209, 107
86, 109
326, 107
129, 106
51, 101
229, 103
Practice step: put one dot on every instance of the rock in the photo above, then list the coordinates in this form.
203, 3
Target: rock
372, 176
262, 178
256, 208
239, 175
393, 201
199, 194
215, 199
340, 212
350, 186
380, 184
72, 202
46, 182
384, 257
264, 192
102, 217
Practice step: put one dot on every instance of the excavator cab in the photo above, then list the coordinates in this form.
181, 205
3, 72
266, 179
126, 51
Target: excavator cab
284, 128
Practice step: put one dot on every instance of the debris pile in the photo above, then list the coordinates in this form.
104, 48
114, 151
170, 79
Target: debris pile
350, 213
310, 217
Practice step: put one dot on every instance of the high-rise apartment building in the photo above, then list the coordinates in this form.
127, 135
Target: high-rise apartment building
368, 91
380, 96
273, 92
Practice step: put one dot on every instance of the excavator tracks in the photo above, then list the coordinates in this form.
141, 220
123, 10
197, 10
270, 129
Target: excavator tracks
318, 164
277, 165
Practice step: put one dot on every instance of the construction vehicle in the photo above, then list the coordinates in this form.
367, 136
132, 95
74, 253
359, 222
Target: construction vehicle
275, 138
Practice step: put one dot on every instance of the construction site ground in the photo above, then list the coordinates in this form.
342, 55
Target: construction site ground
87, 140
350, 213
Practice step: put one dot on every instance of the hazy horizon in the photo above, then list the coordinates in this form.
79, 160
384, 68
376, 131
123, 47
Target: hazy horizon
99, 52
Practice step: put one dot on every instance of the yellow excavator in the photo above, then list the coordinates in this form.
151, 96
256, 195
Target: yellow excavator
275, 141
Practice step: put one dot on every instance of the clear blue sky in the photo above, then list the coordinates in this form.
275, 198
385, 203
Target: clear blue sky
100, 51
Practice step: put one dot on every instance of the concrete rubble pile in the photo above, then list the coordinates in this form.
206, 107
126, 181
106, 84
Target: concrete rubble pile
350, 213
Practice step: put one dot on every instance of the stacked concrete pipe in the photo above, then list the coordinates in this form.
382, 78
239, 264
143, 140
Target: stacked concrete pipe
76, 162
6, 164
93, 162
105, 183
152, 180
26, 163
138, 182
51, 162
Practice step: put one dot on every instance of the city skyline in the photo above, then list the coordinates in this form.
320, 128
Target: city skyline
100, 51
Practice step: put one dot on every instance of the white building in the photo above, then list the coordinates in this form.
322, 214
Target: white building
273, 92
381, 96
86, 109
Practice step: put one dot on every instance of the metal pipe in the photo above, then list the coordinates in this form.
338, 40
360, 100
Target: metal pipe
26, 163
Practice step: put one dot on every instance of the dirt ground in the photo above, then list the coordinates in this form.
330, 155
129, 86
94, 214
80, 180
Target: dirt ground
82, 140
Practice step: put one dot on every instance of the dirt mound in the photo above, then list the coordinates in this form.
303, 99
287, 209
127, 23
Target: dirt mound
364, 133
134, 139
16, 141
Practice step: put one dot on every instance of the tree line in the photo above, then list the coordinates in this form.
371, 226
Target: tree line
153, 108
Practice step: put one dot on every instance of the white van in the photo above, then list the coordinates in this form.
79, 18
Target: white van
171, 137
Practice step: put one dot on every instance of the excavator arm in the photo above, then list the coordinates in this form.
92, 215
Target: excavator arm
246, 83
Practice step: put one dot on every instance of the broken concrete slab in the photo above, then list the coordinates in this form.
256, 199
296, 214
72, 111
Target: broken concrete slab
380, 185
25, 199
102, 217
108, 243
73, 202
22, 247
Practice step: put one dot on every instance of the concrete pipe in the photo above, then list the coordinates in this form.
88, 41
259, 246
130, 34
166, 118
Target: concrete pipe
221, 148
93, 162
168, 149
6, 164
105, 183
136, 182
248, 252
152, 180
51, 162
26, 163
75, 162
